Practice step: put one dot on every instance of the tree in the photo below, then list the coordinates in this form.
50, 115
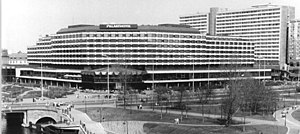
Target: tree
203, 94
182, 92
232, 100
161, 94
242, 92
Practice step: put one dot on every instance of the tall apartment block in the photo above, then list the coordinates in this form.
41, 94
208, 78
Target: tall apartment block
265, 25
294, 40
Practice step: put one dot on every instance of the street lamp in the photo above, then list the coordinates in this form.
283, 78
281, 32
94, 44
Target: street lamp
85, 103
194, 74
126, 123
107, 74
100, 114
42, 92
261, 57
285, 120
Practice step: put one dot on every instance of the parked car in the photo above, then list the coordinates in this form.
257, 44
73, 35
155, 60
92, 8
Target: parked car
284, 112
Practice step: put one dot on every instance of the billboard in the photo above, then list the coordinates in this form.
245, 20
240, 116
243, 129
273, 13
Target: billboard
118, 26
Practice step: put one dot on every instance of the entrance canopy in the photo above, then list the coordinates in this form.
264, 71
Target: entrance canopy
113, 71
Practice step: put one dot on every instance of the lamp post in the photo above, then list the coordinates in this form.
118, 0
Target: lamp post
261, 57
285, 120
194, 74
85, 104
126, 123
107, 74
42, 92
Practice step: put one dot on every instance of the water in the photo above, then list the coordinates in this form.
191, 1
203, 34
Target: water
14, 128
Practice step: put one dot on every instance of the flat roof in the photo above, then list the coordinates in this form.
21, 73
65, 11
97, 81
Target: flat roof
170, 28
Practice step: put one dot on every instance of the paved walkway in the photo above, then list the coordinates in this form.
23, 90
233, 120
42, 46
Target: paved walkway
91, 126
292, 124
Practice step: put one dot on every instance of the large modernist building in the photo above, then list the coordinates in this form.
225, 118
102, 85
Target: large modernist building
294, 49
265, 25
90, 56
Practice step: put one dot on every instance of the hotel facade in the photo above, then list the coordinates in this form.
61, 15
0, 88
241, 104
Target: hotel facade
93, 56
265, 25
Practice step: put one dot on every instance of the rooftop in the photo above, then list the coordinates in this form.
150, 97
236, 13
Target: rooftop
172, 28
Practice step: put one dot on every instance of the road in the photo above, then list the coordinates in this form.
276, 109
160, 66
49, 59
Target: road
292, 124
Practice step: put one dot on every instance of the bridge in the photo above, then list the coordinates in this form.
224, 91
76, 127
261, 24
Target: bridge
35, 114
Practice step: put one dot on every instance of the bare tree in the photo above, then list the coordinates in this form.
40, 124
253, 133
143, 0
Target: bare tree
203, 95
232, 101
242, 92
181, 95
161, 94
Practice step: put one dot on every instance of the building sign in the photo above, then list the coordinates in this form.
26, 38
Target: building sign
118, 26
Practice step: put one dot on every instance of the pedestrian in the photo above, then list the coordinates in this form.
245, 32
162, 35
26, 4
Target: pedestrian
141, 106
176, 121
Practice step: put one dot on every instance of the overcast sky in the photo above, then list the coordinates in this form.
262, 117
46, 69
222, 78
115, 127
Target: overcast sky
24, 21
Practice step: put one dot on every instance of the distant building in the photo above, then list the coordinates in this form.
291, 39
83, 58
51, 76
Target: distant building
265, 25
294, 40
18, 58
294, 49
5, 57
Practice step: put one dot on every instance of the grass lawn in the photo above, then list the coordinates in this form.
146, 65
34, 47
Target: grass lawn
178, 129
14, 91
296, 115
119, 114
215, 109
33, 94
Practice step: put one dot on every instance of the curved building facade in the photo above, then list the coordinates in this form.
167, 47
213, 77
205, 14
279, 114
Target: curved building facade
168, 53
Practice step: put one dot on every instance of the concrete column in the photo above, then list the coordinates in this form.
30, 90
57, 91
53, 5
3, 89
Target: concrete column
25, 121
57, 83
76, 86
51, 83
178, 85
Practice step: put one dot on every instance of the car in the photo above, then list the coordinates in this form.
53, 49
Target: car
284, 112
283, 115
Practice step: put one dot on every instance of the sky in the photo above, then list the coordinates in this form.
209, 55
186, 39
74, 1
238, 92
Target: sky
24, 21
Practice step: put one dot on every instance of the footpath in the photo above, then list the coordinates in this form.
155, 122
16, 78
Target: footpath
291, 123
85, 122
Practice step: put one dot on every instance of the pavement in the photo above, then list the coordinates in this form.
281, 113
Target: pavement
291, 123
84, 120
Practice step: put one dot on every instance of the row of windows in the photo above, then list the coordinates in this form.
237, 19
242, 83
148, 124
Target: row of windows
39, 48
127, 40
249, 29
194, 16
188, 20
250, 33
261, 36
248, 15
247, 26
163, 51
248, 22
245, 19
155, 57
58, 36
48, 43
143, 61
249, 11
